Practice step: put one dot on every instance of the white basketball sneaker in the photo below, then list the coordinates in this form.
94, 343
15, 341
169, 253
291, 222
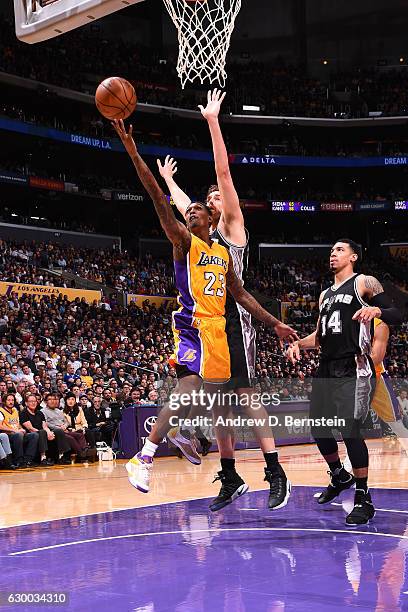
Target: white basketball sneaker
138, 469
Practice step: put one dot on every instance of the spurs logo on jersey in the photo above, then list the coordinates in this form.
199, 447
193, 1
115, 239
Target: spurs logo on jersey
338, 334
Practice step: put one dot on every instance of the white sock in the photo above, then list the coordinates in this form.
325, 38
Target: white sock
149, 449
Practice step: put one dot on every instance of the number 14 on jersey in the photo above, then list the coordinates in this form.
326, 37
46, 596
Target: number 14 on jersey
334, 323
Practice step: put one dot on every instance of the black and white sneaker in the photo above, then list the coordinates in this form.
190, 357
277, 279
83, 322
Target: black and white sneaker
232, 487
280, 487
363, 509
338, 483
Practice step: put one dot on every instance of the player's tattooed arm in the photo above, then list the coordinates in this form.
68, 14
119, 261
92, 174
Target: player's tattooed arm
247, 301
167, 171
371, 287
175, 231
380, 305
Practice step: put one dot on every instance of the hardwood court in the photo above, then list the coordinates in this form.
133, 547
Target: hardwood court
30, 496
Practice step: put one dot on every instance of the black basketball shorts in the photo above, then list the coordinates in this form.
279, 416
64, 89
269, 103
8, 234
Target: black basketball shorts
241, 337
343, 388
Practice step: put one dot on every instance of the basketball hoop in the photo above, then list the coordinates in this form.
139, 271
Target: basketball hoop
204, 33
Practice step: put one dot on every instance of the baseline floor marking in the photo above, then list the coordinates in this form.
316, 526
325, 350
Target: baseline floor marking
378, 509
211, 530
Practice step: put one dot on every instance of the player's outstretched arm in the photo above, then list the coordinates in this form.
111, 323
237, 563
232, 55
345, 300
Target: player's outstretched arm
380, 306
175, 231
305, 344
247, 301
231, 208
167, 171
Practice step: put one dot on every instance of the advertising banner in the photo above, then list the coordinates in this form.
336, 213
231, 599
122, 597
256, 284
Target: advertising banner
127, 196
146, 417
45, 183
337, 206
12, 178
399, 251
41, 290
367, 206
317, 162
401, 205
251, 205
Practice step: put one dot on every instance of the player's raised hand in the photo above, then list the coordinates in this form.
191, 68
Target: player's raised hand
366, 314
293, 353
168, 169
214, 100
284, 332
126, 137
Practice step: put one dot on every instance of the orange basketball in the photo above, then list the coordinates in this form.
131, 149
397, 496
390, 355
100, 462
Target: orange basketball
115, 98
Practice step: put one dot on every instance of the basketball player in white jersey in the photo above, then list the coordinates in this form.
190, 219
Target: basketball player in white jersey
228, 229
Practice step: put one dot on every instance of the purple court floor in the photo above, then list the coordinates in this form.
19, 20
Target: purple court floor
244, 558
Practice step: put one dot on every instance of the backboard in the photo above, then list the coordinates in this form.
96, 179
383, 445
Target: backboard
38, 20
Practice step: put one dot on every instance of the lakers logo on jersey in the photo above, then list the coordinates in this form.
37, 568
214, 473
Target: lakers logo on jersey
189, 356
212, 260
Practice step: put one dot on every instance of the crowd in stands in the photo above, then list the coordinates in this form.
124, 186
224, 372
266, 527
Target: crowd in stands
29, 262
83, 360
279, 89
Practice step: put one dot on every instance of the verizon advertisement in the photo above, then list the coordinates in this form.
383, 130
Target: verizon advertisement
127, 196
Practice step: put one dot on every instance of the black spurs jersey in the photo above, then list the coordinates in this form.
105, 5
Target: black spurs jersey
239, 258
339, 336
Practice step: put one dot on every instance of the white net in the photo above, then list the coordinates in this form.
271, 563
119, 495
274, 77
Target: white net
204, 34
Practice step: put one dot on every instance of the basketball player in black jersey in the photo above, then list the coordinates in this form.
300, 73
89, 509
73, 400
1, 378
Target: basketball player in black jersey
228, 229
345, 379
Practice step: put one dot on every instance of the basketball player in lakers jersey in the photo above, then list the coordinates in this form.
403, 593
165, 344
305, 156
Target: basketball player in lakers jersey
345, 381
228, 229
385, 402
203, 273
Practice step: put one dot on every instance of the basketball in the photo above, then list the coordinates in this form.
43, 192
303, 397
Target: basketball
115, 98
